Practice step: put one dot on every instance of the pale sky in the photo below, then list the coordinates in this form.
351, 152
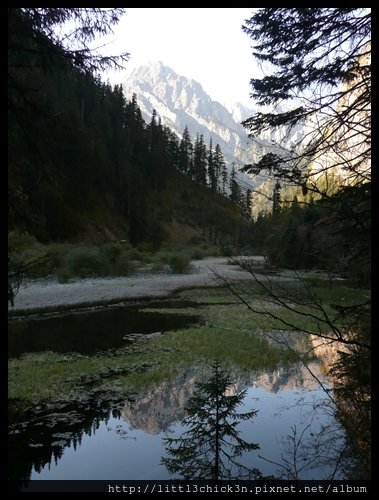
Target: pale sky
207, 45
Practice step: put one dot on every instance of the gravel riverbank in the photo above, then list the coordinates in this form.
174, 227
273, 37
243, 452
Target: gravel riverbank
49, 294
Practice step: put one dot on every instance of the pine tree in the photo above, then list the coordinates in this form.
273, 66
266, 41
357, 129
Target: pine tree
224, 178
212, 178
249, 203
185, 153
172, 147
235, 192
219, 169
200, 161
159, 159
153, 131
135, 130
276, 199
209, 449
319, 60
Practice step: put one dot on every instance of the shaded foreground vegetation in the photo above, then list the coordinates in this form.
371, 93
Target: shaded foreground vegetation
35, 378
117, 258
236, 338
49, 385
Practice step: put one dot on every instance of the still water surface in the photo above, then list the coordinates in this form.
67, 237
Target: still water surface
129, 445
125, 441
88, 331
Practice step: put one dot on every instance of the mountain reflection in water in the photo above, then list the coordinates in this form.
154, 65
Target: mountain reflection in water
155, 411
126, 443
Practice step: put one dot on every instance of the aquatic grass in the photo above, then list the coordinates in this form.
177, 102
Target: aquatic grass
230, 333
206, 343
329, 294
238, 317
208, 295
37, 377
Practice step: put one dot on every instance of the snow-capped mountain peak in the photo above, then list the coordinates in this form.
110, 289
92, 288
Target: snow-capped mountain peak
182, 102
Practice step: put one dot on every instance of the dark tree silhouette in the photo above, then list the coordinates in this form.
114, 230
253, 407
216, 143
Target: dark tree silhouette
319, 77
235, 190
186, 153
320, 63
35, 36
276, 199
211, 446
200, 160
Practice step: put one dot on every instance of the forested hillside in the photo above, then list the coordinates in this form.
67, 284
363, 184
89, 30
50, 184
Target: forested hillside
84, 165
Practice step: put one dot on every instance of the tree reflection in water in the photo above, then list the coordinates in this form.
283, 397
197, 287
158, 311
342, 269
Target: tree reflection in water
211, 446
36, 444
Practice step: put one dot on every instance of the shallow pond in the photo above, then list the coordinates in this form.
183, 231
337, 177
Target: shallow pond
88, 331
127, 443
123, 439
